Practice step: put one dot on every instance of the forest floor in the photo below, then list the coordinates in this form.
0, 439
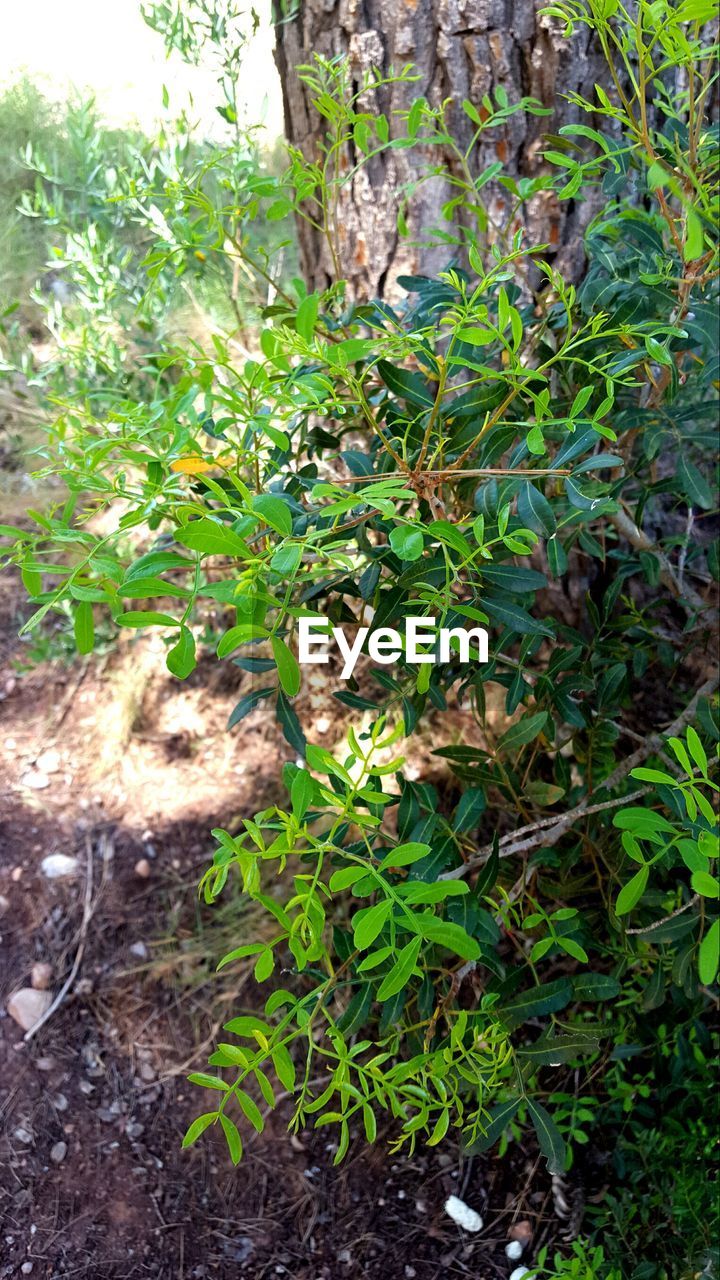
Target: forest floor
117, 766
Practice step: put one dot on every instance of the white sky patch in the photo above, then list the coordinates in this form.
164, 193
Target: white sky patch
105, 47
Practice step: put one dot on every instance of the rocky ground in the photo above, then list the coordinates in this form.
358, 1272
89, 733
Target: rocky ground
113, 776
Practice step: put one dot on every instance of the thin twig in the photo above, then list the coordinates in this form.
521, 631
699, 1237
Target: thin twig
88, 908
550, 829
648, 928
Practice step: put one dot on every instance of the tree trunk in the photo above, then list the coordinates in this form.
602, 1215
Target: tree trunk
460, 49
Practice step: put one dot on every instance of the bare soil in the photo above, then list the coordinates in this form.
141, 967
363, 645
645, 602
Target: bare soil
113, 763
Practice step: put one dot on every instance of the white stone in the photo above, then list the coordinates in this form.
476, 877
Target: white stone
48, 761
58, 1152
58, 865
138, 950
142, 869
519, 1272
35, 780
27, 1006
461, 1213
513, 1250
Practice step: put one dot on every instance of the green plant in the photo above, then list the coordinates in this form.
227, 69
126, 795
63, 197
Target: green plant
439, 458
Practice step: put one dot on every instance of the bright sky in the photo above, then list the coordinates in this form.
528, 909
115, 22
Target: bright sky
104, 45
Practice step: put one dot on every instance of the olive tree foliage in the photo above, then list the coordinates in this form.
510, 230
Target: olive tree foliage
469, 453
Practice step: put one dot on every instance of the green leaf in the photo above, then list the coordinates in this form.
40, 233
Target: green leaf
694, 245
409, 386
84, 627
404, 855
274, 512
705, 884
632, 892
523, 732
709, 954
550, 1049
369, 922
180, 659
549, 997
595, 986
301, 792
207, 1081
472, 805
517, 619
237, 636
549, 1138
199, 1126
452, 936
407, 542
306, 317
146, 619
291, 727
246, 705
399, 975
232, 1137
693, 484
250, 1110
535, 511
284, 1067
151, 589
212, 538
287, 558
697, 751
287, 666
499, 1118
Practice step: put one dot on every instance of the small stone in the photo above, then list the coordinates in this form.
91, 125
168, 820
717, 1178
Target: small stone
27, 1006
23, 1135
56, 866
60, 1102
521, 1231
461, 1213
41, 975
26, 1269
45, 1063
519, 1273
4, 904
142, 869
16, 874
58, 1152
35, 779
86, 1087
147, 1072
139, 951
134, 1130
83, 988
48, 761
513, 1250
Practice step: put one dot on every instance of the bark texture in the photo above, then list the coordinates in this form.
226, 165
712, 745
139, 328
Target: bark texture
461, 49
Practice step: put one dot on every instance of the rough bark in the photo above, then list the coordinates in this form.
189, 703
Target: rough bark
461, 49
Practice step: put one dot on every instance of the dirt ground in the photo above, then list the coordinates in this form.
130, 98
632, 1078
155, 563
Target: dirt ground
110, 762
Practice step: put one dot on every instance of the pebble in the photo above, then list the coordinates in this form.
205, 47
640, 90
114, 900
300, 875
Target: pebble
58, 865
35, 780
60, 1103
4, 904
147, 1072
58, 1152
45, 1063
519, 1272
513, 1250
48, 761
27, 1006
41, 975
142, 869
23, 1135
134, 1130
461, 1213
139, 951
26, 1269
